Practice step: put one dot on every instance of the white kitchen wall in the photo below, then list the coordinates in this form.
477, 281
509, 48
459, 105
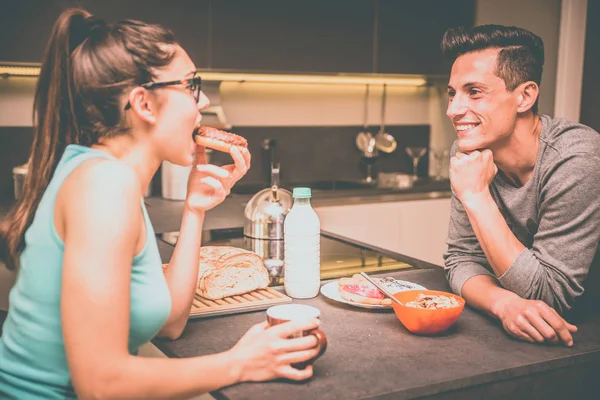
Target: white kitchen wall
571, 55
264, 104
16, 101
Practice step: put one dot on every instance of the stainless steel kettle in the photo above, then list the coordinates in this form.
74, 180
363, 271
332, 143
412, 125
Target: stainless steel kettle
265, 212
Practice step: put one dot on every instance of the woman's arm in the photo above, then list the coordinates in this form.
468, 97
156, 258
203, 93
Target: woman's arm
208, 185
102, 226
101, 223
182, 274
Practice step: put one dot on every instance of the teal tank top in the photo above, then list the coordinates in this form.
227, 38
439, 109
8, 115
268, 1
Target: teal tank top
33, 363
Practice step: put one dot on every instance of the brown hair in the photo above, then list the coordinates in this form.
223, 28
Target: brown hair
521, 56
86, 69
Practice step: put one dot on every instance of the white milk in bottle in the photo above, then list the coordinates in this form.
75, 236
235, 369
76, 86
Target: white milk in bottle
302, 243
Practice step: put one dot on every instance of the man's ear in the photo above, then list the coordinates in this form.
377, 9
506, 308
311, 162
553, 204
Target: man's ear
528, 94
142, 105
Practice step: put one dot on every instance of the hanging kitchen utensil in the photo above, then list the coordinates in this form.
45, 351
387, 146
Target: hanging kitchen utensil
383, 140
362, 141
364, 137
372, 147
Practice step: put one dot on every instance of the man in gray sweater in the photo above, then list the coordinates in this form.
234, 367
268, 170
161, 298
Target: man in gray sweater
525, 211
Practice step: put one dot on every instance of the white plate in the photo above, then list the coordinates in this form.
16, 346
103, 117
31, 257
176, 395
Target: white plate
331, 291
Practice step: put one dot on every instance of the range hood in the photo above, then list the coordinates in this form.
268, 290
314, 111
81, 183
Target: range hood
214, 115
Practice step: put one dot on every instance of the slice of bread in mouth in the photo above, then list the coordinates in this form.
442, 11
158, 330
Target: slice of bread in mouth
217, 139
213, 144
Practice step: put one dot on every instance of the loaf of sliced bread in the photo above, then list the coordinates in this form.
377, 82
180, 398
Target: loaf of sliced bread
227, 271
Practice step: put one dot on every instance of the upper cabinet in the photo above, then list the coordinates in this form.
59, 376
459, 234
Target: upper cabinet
308, 36
293, 36
24, 29
188, 19
410, 32
25, 25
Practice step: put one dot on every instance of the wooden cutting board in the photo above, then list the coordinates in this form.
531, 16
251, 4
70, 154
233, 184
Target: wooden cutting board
256, 300
259, 299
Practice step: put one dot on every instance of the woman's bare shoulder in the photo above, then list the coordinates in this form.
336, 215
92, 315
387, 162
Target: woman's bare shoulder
101, 192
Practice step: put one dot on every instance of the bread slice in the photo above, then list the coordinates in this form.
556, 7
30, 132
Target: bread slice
227, 271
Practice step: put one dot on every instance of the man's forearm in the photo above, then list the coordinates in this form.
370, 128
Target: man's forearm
497, 241
484, 292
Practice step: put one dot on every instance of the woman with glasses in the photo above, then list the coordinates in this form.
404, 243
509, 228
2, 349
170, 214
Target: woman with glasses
112, 102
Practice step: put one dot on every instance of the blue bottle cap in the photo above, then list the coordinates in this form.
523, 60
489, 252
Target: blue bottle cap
302, 193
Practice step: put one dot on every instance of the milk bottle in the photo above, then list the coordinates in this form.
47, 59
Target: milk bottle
302, 241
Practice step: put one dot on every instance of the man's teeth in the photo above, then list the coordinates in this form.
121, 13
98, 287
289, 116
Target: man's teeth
465, 127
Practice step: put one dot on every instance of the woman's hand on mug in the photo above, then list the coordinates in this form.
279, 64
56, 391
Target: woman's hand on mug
266, 353
208, 184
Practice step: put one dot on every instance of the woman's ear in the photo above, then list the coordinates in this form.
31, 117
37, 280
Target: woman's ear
142, 105
528, 94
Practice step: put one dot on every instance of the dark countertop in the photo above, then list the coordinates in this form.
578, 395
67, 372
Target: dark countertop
372, 356
166, 214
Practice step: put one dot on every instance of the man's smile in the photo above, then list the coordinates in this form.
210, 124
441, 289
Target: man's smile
465, 127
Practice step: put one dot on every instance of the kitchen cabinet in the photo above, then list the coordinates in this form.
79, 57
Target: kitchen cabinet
25, 25
24, 29
335, 35
410, 33
416, 228
188, 19
309, 36
300, 36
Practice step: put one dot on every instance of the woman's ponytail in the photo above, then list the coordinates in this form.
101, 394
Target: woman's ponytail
55, 127
87, 68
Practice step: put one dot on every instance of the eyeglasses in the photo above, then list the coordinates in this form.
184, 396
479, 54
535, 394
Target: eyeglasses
194, 85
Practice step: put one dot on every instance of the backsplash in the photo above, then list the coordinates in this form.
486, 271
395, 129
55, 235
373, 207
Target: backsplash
305, 154
308, 154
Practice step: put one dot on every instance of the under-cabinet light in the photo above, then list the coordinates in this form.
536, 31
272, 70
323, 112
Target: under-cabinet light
33, 70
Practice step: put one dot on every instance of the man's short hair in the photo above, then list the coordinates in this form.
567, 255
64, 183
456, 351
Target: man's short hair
521, 56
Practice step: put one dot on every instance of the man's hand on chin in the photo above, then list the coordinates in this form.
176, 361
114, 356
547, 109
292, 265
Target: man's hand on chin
471, 174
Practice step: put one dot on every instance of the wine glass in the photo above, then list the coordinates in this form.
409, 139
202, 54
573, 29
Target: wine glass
415, 153
369, 156
439, 157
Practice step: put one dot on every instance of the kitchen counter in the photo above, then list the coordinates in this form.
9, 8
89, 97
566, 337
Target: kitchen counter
166, 214
372, 356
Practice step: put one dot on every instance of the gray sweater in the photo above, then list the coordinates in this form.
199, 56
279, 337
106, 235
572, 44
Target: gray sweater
555, 215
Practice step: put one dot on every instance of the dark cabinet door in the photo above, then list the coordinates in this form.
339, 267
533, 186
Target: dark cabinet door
188, 19
293, 36
410, 32
327, 36
25, 25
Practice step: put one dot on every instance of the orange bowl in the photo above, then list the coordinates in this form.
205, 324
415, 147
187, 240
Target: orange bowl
426, 321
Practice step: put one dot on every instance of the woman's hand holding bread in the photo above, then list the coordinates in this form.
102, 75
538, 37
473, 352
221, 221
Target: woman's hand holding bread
208, 184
